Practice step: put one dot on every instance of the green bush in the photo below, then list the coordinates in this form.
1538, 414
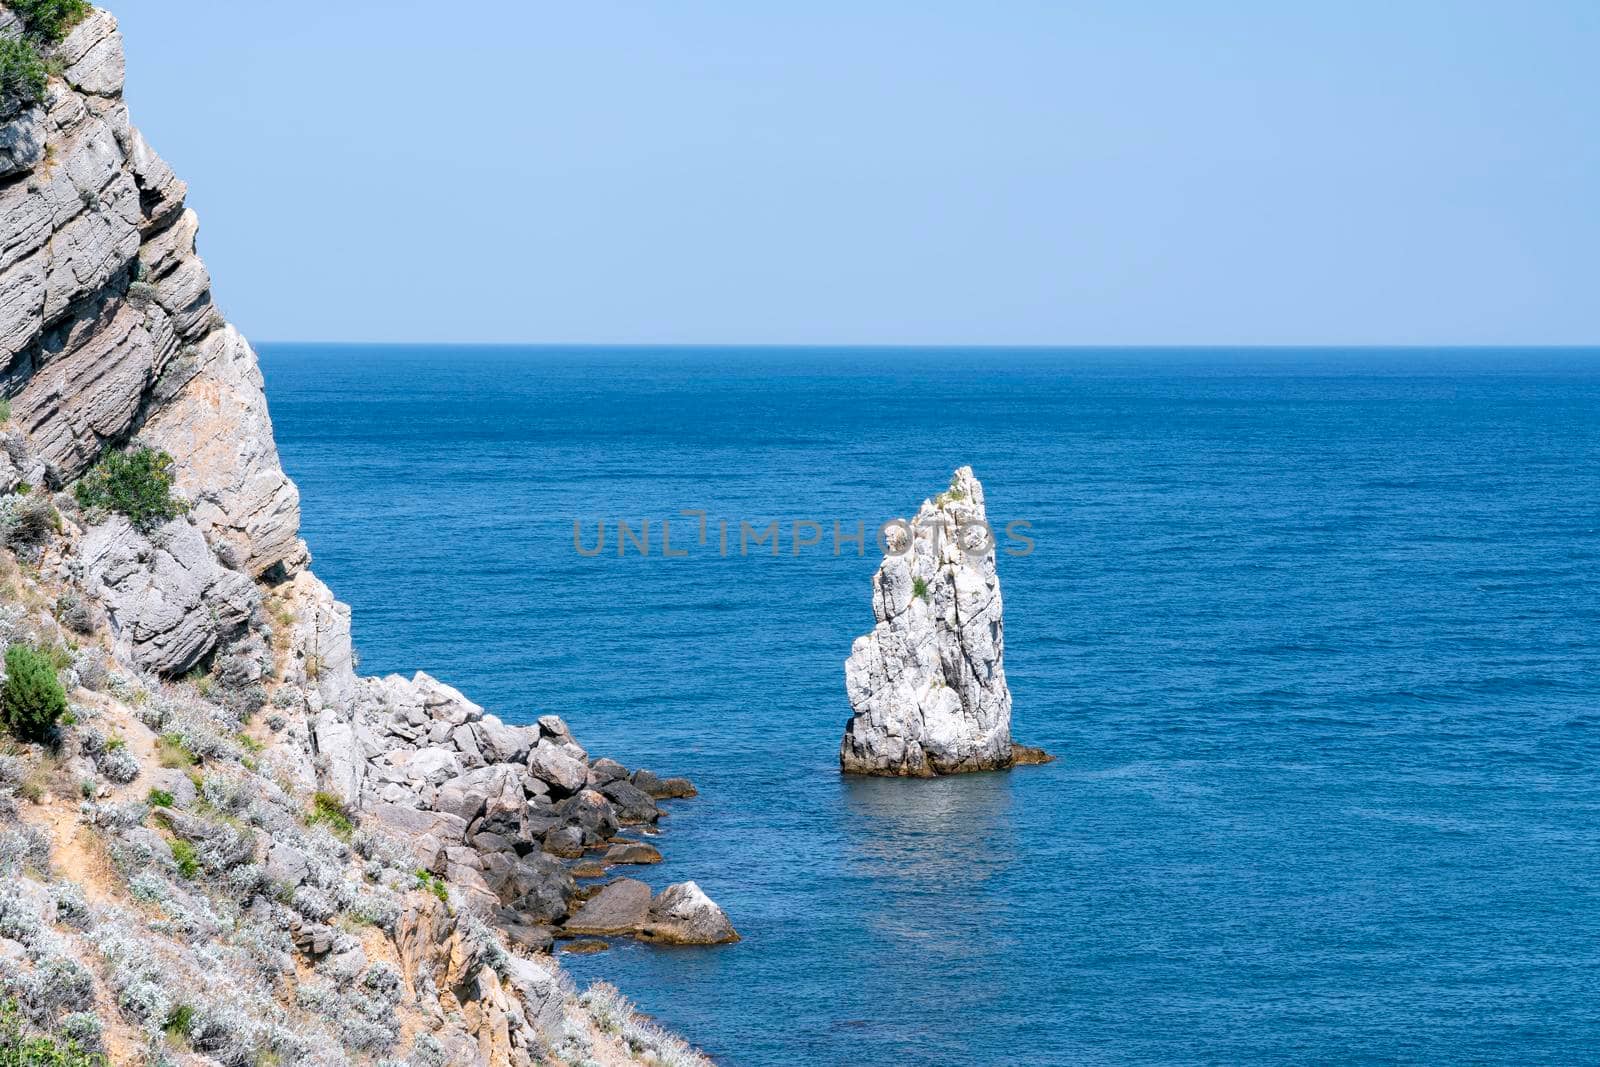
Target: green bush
919, 588
137, 482
433, 884
160, 798
188, 862
327, 810
172, 752
179, 1020
16, 1050
31, 700
50, 19
22, 76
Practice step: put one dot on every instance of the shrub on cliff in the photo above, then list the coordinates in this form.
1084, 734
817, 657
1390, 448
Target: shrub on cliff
22, 76
49, 20
136, 482
27, 521
327, 810
31, 700
17, 1047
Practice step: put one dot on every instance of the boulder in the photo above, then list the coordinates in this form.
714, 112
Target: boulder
663, 788
432, 765
538, 888
584, 946
406, 823
286, 866
563, 841
505, 812
444, 703
313, 939
554, 726
632, 804
605, 770
463, 797
529, 937
621, 907
175, 782
591, 814
683, 915
500, 743
631, 852
552, 764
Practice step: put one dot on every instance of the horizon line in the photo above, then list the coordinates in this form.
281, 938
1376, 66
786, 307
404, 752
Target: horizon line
956, 346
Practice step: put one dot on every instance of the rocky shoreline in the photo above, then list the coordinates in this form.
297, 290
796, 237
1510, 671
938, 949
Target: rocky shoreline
496, 809
228, 847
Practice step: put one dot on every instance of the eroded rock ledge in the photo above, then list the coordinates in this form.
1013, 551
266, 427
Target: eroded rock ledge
928, 685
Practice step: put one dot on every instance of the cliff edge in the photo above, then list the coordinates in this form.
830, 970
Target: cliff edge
221, 845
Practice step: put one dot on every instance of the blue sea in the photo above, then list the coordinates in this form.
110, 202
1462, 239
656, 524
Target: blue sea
1314, 633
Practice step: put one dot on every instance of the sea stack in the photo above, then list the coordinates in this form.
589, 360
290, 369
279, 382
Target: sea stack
928, 685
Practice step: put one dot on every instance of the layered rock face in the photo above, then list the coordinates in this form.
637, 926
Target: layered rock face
928, 684
212, 669
107, 327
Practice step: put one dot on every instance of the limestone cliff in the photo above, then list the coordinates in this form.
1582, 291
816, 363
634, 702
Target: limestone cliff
235, 849
928, 684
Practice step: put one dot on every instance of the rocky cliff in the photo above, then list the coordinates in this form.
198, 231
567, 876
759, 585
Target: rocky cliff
928, 684
234, 849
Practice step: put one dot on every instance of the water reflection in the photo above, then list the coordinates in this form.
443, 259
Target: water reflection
929, 850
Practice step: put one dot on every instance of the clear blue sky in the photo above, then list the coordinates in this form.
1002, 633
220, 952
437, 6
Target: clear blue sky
887, 171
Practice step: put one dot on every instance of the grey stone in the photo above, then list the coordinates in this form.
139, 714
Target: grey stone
217, 429
605, 770
632, 804
564, 841
286, 865
407, 822
621, 907
91, 55
22, 140
590, 813
538, 887
501, 743
554, 765
462, 798
684, 915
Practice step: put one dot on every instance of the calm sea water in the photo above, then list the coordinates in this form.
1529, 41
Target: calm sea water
1314, 634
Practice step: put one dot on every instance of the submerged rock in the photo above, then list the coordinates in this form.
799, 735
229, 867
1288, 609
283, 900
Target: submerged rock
585, 946
631, 852
928, 684
663, 788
